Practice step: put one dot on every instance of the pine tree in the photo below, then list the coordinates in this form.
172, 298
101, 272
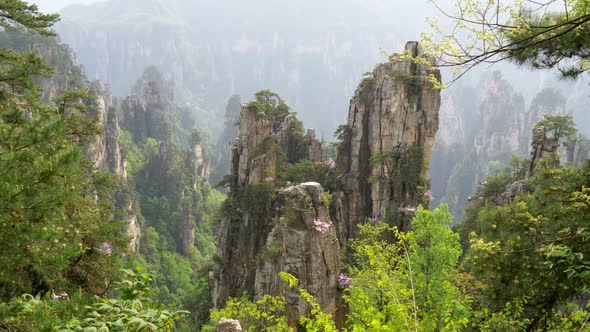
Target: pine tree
55, 209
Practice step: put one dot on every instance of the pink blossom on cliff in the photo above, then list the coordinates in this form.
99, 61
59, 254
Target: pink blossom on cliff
321, 226
344, 281
330, 163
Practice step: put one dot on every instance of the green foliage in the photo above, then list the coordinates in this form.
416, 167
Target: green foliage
318, 321
412, 83
434, 255
132, 310
536, 242
560, 127
366, 89
402, 169
406, 281
21, 15
343, 133
531, 33
257, 199
271, 105
52, 223
401, 282
306, 171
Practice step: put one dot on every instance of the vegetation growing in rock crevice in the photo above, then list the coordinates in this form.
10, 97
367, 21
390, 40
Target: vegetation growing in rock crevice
402, 170
366, 89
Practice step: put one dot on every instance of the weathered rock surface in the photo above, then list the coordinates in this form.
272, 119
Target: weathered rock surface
96, 150
248, 166
197, 159
299, 246
242, 236
106, 155
315, 151
115, 162
185, 231
392, 113
228, 325
542, 147
253, 247
134, 231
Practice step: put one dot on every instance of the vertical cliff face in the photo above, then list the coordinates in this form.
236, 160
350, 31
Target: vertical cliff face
315, 150
197, 159
242, 234
185, 230
543, 146
106, 154
104, 150
271, 226
96, 150
392, 121
114, 159
266, 229
250, 166
303, 242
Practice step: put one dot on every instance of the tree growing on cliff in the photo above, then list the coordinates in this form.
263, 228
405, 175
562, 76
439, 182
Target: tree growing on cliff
538, 34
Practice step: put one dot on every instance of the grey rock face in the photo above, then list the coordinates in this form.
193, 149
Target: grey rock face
315, 151
105, 153
253, 130
241, 236
304, 244
542, 147
115, 162
185, 231
197, 160
392, 113
134, 231
96, 151
253, 249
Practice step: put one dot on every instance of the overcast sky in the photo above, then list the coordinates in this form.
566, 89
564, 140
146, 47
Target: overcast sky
56, 5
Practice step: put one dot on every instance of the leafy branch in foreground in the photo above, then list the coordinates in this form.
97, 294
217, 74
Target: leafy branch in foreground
540, 34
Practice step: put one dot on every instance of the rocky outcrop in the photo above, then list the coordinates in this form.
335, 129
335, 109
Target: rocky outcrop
197, 159
185, 231
315, 151
104, 150
134, 232
96, 150
265, 231
228, 325
304, 244
392, 122
251, 164
115, 163
242, 235
144, 113
393, 118
542, 147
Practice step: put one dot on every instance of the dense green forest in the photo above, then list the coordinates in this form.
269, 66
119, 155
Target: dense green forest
116, 211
